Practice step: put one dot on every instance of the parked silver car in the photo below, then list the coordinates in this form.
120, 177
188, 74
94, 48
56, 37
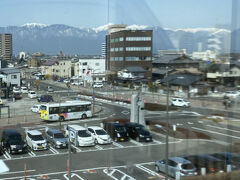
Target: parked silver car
56, 138
176, 164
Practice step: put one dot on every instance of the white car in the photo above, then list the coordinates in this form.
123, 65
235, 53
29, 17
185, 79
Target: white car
77, 83
16, 90
98, 85
180, 102
100, 135
231, 94
35, 140
24, 90
32, 94
36, 108
66, 81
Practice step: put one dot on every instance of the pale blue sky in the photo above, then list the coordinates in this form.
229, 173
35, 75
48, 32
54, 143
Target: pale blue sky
93, 13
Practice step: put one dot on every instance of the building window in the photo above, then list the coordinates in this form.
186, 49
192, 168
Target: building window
96, 64
138, 38
84, 64
138, 58
138, 48
14, 77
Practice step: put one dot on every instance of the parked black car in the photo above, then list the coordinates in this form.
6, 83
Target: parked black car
12, 141
45, 98
229, 159
212, 164
116, 131
138, 132
17, 96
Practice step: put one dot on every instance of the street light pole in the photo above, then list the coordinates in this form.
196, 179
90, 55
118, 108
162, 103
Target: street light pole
167, 130
69, 154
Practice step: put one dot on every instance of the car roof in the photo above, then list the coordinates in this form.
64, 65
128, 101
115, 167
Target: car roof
95, 127
134, 124
114, 123
54, 131
180, 160
11, 132
34, 132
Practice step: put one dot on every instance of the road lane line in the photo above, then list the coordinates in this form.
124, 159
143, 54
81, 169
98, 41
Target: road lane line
223, 128
16, 172
118, 145
214, 132
135, 142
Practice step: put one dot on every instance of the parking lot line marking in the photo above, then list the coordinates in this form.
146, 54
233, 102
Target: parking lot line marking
213, 132
53, 150
125, 176
7, 155
190, 123
32, 154
118, 145
149, 171
135, 142
78, 150
98, 147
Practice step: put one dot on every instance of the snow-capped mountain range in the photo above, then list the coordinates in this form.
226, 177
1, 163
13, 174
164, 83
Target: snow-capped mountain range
50, 39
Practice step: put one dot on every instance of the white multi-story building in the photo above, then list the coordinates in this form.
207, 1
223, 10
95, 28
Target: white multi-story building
92, 69
205, 55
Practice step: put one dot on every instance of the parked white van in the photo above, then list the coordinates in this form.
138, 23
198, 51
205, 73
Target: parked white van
79, 135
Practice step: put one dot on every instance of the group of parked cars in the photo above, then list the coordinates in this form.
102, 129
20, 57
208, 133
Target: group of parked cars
13, 142
18, 91
193, 165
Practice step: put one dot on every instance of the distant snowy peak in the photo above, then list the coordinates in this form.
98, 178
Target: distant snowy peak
195, 30
30, 25
102, 28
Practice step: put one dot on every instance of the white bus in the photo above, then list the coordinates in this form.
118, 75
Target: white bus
65, 111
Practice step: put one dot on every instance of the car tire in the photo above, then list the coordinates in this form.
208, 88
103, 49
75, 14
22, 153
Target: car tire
84, 116
95, 141
9, 150
61, 118
157, 169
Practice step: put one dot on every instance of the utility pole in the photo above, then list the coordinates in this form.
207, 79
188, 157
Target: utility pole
69, 154
167, 130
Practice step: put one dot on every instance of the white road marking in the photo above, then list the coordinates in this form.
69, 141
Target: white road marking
16, 172
223, 128
125, 112
118, 145
214, 132
6, 155
158, 142
98, 147
135, 142
190, 123
125, 176
78, 150
147, 170
201, 122
73, 175
31, 153
54, 151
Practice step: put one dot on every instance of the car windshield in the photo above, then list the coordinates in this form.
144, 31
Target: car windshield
187, 166
59, 135
100, 132
32, 93
141, 129
120, 128
84, 133
37, 138
15, 138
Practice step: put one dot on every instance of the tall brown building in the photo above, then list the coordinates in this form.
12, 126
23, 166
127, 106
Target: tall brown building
129, 48
6, 46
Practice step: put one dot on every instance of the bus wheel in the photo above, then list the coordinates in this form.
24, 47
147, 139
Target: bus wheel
61, 118
84, 116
